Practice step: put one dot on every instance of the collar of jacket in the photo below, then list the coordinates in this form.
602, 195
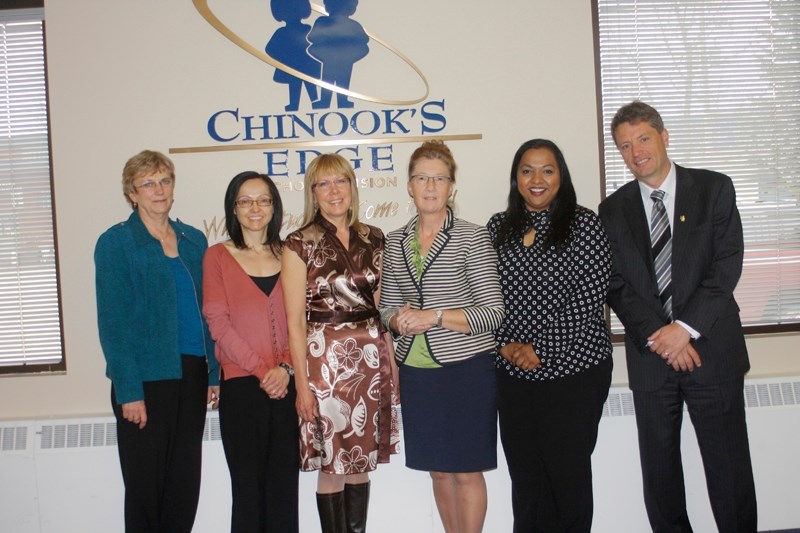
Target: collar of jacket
142, 237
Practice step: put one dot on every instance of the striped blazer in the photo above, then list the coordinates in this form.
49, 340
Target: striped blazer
460, 273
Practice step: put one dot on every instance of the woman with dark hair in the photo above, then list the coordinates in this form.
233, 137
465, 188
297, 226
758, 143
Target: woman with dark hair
554, 349
243, 304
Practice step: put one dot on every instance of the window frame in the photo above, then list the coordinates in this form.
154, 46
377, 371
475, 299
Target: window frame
61, 366
618, 335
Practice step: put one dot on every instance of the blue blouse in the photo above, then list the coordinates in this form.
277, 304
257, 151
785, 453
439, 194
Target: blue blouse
190, 324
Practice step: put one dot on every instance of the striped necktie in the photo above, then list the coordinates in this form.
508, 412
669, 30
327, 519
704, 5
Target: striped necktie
661, 241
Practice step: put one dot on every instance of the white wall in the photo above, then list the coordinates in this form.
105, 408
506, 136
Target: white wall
131, 75
69, 481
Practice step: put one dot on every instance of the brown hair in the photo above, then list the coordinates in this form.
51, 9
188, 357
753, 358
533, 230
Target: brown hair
633, 113
433, 150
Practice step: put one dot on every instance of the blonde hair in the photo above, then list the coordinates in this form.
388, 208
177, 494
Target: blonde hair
144, 163
326, 165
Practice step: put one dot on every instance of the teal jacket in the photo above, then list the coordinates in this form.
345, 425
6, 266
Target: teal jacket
137, 305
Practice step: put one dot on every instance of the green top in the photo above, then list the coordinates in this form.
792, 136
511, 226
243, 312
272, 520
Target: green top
418, 355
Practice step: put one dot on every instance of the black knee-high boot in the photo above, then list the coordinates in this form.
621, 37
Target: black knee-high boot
331, 512
356, 503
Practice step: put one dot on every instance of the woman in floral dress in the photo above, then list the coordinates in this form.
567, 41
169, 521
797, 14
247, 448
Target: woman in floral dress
345, 368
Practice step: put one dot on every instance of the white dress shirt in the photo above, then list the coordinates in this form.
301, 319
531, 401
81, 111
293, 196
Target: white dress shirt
668, 186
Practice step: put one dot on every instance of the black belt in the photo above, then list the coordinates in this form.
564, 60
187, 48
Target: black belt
341, 317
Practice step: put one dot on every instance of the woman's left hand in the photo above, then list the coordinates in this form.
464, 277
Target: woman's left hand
522, 355
212, 398
414, 321
276, 383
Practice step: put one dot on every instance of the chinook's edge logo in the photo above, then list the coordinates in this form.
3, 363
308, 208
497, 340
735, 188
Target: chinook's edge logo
211, 18
230, 125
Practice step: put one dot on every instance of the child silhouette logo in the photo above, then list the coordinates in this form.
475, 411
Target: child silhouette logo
320, 56
288, 45
337, 41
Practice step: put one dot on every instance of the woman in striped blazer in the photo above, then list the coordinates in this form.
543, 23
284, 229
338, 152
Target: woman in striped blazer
440, 295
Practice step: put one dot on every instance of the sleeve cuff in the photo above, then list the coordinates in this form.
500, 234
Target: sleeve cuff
692, 332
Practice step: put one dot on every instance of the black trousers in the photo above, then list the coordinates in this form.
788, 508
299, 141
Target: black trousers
161, 462
549, 430
717, 413
261, 441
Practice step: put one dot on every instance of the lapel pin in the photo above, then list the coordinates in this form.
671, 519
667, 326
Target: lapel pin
683, 218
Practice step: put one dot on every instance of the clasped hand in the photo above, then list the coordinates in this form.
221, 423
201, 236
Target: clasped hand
672, 344
522, 355
276, 383
408, 321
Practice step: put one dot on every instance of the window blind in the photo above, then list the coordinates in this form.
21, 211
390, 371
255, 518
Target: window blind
725, 76
30, 325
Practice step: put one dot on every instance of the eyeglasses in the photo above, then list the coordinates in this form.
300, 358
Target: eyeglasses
327, 185
150, 185
422, 179
245, 202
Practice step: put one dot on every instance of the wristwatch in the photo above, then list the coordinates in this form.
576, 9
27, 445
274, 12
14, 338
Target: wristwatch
288, 369
439, 316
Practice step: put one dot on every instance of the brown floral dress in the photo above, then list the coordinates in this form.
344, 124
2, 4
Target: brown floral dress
348, 356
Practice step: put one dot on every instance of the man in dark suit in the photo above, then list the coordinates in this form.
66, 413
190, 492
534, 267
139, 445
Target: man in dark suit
677, 258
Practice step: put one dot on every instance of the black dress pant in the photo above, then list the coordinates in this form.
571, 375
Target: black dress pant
549, 430
717, 413
161, 462
261, 441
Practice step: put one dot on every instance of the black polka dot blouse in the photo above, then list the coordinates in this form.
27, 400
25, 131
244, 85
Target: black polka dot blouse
554, 299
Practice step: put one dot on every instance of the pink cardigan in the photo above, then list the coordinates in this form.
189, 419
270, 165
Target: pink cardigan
242, 318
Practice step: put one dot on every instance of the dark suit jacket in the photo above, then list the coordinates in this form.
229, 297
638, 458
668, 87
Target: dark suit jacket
707, 252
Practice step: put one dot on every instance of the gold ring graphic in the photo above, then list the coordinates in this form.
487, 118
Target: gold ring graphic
211, 18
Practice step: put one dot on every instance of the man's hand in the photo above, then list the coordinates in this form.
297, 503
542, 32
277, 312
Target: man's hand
684, 361
669, 340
